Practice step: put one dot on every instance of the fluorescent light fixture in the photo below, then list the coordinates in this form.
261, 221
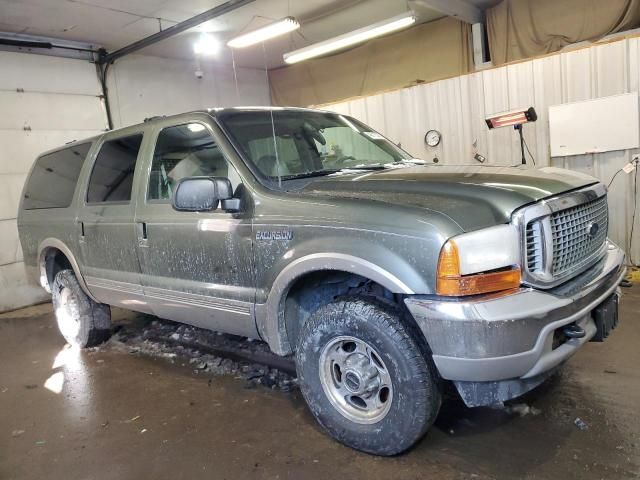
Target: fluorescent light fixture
275, 29
352, 38
206, 45
514, 117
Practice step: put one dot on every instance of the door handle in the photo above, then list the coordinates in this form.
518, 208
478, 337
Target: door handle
142, 233
81, 229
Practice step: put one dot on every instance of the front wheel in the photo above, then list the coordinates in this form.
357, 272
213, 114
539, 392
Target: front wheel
365, 378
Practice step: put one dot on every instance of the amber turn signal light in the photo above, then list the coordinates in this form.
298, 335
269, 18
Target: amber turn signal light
450, 282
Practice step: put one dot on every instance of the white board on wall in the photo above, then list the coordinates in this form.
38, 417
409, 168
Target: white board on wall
595, 126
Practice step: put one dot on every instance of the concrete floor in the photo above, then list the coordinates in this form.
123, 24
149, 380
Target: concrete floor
105, 414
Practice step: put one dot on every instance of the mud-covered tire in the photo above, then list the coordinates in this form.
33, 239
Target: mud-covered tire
81, 321
415, 392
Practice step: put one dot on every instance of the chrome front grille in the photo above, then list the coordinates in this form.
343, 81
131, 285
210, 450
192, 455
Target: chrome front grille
534, 246
573, 238
563, 236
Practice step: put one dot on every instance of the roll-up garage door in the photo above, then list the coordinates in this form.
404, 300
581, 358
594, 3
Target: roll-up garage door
44, 102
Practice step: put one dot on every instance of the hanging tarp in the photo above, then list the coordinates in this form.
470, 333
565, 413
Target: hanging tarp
520, 29
425, 53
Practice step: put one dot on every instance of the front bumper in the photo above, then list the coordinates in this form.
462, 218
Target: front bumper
504, 344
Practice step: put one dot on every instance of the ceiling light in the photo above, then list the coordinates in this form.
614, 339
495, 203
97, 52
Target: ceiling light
206, 45
195, 127
352, 38
275, 29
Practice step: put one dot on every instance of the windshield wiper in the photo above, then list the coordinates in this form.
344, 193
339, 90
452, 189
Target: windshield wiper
374, 166
314, 173
405, 161
331, 171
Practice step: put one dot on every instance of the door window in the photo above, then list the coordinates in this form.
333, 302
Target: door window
112, 176
186, 150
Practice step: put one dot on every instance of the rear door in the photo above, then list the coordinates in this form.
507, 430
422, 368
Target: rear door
106, 229
197, 268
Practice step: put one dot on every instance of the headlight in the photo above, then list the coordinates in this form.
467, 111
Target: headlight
479, 262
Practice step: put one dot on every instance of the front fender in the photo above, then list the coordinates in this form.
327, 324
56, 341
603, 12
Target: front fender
400, 264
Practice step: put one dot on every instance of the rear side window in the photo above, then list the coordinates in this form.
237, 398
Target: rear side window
112, 175
54, 178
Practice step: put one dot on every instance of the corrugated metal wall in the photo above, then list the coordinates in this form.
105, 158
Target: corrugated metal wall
457, 108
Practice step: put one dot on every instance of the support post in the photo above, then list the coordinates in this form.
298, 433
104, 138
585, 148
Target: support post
519, 129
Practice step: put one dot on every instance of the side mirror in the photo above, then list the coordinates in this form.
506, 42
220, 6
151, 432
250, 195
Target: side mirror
201, 194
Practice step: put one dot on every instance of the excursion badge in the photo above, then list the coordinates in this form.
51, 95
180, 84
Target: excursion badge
274, 235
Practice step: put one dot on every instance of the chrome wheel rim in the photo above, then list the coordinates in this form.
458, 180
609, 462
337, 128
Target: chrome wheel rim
67, 323
355, 380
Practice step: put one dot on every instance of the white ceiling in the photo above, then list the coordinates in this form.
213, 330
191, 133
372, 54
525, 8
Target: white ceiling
116, 23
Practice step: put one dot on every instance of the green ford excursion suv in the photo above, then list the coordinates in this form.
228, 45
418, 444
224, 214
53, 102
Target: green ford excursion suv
384, 276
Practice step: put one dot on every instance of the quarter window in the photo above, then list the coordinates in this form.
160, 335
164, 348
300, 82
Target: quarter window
112, 176
186, 150
54, 177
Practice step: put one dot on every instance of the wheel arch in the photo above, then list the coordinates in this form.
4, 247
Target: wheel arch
53, 254
271, 318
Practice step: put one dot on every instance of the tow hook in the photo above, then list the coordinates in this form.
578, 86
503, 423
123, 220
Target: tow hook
573, 331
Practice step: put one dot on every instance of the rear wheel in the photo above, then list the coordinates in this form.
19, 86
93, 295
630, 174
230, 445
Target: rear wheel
81, 321
365, 377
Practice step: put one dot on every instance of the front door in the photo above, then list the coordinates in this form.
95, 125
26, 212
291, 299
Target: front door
197, 268
106, 228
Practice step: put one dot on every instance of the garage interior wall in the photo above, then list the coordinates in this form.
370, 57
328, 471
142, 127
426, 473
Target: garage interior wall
425, 53
519, 29
142, 86
457, 108
44, 102
47, 101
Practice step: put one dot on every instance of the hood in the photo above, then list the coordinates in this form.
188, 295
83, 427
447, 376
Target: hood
472, 196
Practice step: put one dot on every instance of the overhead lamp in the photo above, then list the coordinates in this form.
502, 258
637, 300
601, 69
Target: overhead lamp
352, 38
272, 30
515, 118
206, 45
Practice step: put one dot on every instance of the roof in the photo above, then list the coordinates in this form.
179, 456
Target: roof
215, 111
210, 111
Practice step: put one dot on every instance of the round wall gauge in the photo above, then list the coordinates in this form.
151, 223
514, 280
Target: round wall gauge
432, 138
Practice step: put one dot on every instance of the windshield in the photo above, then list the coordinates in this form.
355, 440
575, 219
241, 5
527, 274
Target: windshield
307, 143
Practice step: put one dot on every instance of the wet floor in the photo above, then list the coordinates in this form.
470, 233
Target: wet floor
111, 414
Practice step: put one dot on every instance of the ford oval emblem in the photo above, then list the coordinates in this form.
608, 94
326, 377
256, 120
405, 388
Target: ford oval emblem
592, 229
